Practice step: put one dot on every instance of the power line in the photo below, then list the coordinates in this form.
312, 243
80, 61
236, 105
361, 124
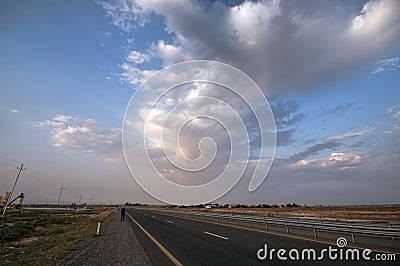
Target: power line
9, 159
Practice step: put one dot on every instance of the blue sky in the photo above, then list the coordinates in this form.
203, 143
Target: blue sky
330, 71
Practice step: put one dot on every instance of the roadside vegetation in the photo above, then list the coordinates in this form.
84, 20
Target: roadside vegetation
35, 237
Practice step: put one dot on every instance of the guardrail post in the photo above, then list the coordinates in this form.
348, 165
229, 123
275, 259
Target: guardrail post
315, 233
287, 229
353, 238
266, 226
390, 226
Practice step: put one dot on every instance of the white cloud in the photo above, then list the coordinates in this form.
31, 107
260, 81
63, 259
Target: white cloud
335, 160
137, 57
396, 128
395, 113
352, 134
283, 45
387, 64
133, 74
84, 135
389, 110
125, 14
13, 110
169, 53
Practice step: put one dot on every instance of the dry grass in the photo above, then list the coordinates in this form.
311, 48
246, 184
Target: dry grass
34, 237
366, 214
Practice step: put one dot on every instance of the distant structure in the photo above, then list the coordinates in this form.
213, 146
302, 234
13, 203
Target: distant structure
5, 198
19, 200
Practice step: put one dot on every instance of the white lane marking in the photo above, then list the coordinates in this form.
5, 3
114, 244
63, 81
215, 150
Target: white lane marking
211, 234
171, 222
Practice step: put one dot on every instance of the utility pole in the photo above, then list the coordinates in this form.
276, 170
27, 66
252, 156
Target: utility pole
91, 201
12, 190
59, 197
79, 203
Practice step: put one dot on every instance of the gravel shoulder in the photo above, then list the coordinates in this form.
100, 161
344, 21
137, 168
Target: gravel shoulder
117, 244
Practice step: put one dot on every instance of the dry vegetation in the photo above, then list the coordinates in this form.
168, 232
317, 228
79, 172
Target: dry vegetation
366, 214
34, 237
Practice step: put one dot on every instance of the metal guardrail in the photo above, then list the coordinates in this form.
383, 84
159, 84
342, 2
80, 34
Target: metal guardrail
315, 226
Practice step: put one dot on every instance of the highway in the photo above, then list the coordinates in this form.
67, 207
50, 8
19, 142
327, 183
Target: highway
171, 240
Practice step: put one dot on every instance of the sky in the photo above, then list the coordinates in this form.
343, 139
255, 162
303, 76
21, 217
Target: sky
330, 71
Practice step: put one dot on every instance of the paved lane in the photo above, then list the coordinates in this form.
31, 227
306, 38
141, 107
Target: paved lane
198, 243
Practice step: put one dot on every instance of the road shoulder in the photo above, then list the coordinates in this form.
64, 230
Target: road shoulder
117, 244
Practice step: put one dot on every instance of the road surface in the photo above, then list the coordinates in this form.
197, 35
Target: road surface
171, 240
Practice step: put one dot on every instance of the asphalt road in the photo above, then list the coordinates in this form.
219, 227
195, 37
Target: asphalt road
191, 242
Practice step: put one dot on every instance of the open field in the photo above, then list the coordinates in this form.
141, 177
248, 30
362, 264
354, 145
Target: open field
363, 214
34, 237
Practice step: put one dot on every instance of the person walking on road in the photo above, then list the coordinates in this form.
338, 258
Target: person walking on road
123, 214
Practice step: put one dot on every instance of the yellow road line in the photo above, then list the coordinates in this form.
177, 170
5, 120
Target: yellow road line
158, 244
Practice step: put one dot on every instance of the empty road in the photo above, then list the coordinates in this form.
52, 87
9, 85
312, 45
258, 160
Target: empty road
173, 241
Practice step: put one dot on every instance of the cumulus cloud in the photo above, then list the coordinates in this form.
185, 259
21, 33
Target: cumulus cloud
283, 45
13, 110
84, 135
